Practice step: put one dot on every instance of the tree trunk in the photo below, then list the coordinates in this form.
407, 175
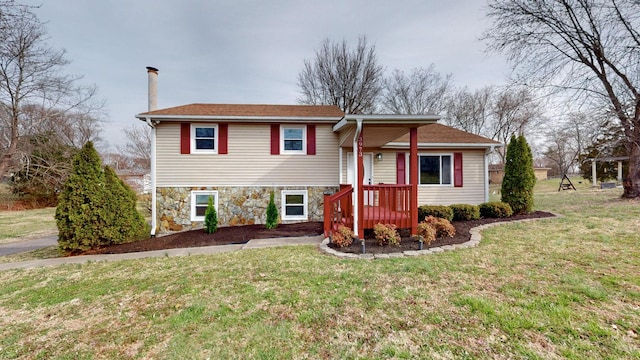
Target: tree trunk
632, 181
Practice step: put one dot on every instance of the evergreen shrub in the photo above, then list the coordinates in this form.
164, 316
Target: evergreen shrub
272, 214
465, 212
210, 217
519, 176
95, 208
495, 209
343, 237
439, 211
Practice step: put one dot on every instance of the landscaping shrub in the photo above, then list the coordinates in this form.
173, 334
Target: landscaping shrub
443, 227
123, 221
386, 234
427, 232
519, 177
465, 212
210, 217
95, 207
439, 211
495, 209
272, 214
343, 237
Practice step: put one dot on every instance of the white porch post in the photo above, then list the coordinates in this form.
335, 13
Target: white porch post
356, 180
620, 171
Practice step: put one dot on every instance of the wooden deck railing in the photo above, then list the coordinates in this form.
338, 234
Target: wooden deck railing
338, 209
387, 204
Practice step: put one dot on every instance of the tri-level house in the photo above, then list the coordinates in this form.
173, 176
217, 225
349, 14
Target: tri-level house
321, 165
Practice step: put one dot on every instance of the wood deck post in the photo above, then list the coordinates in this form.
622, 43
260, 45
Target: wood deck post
413, 177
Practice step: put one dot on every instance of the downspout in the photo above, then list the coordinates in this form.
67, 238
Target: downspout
486, 171
153, 177
340, 173
355, 177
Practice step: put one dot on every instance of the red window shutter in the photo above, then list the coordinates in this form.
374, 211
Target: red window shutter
275, 139
223, 130
401, 169
185, 138
457, 169
311, 139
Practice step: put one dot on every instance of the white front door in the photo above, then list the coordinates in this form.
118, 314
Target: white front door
367, 159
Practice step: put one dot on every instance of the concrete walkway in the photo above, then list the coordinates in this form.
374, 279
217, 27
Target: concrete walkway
252, 244
28, 245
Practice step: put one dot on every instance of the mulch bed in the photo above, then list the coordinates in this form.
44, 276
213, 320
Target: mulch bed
242, 234
462, 235
224, 236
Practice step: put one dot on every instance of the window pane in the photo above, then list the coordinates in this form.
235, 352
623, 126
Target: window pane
293, 144
295, 199
203, 199
292, 134
295, 210
429, 170
205, 132
204, 144
446, 169
201, 210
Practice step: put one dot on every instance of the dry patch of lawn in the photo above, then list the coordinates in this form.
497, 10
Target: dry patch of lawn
18, 225
555, 288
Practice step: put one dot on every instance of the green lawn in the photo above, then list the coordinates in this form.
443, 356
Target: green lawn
554, 288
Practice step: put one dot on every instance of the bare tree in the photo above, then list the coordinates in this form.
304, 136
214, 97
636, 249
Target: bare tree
470, 111
138, 146
514, 111
423, 91
339, 75
588, 48
494, 113
30, 73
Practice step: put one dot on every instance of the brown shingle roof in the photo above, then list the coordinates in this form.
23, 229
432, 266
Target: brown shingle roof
441, 134
311, 111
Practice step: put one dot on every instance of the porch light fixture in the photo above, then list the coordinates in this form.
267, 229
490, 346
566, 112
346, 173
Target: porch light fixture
379, 156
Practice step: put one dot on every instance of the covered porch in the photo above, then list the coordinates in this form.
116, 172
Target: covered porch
361, 204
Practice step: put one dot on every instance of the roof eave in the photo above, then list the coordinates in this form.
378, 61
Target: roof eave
403, 145
417, 120
249, 119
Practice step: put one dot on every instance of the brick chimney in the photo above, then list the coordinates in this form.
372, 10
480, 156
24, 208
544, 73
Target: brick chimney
153, 88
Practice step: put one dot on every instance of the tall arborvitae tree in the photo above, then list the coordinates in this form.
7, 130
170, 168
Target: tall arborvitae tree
124, 222
95, 207
519, 177
79, 213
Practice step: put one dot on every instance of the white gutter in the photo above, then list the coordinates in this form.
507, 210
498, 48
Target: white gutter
153, 178
158, 117
340, 172
486, 171
356, 170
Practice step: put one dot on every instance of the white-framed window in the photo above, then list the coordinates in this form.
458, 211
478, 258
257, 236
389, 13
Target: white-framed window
293, 139
294, 205
436, 169
200, 201
204, 139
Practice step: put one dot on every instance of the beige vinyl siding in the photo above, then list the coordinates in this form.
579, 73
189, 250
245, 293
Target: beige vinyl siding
383, 171
472, 191
249, 161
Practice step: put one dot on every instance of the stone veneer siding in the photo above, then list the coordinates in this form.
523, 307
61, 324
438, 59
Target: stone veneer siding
242, 205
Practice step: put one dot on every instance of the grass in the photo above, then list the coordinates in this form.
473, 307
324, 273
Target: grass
17, 225
556, 288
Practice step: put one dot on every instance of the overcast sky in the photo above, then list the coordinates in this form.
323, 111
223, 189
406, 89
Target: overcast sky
250, 51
